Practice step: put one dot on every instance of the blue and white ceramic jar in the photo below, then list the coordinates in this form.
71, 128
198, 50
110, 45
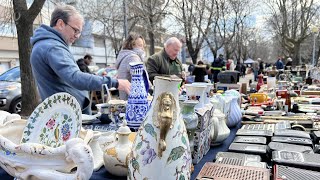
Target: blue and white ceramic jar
137, 106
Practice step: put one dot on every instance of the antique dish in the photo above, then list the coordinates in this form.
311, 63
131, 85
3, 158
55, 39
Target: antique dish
37, 161
86, 119
54, 121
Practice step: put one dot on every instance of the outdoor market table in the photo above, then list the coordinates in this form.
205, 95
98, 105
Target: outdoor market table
102, 173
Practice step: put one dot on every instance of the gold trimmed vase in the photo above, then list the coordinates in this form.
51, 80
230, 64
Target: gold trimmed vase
161, 148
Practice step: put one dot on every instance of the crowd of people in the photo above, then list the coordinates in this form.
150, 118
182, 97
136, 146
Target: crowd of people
55, 69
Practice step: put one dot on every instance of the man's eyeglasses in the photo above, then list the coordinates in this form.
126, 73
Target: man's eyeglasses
76, 31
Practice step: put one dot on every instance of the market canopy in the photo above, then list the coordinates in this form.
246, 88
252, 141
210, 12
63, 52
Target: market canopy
249, 61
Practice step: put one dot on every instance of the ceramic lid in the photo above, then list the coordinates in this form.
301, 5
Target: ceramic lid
124, 129
117, 102
135, 63
172, 78
191, 102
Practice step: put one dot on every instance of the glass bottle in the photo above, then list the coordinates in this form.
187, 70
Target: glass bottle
288, 103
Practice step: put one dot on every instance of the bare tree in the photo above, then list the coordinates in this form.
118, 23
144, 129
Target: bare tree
230, 29
215, 24
151, 13
290, 21
107, 16
24, 16
195, 18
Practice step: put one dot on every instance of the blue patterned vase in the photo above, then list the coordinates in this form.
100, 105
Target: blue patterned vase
137, 106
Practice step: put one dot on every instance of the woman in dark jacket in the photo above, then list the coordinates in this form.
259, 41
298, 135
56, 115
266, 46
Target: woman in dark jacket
289, 64
199, 72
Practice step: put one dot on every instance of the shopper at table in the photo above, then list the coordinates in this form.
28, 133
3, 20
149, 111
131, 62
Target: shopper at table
132, 51
279, 63
199, 72
217, 65
53, 65
166, 61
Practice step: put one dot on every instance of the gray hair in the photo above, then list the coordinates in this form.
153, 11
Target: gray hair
172, 40
63, 12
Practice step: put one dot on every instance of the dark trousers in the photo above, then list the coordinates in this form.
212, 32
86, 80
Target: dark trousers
215, 75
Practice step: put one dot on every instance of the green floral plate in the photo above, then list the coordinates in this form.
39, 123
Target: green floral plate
54, 121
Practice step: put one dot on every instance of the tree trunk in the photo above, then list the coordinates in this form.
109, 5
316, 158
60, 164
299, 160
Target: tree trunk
151, 41
30, 96
296, 54
24, 18
192, 52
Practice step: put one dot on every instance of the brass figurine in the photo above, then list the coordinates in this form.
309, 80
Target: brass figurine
163, 117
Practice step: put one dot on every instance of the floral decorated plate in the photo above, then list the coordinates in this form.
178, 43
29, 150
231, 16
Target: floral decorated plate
54, 121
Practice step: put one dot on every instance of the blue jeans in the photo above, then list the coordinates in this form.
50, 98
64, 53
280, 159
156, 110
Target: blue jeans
255, 75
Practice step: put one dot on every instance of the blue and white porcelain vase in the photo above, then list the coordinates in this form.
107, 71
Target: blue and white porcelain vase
137, 105
235, 114
161, 148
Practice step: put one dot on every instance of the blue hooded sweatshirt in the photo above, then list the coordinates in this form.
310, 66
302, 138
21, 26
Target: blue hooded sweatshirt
55, 69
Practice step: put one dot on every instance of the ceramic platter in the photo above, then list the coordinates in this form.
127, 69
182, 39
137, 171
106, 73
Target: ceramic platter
54, 121
87, 119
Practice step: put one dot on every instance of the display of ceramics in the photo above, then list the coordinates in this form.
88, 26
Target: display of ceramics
234, 93
224, 103
214, 129
190, 119
56, 120
197, 92
89, 118
117, 153
137, 100
235, 114
106, 138
103, 108
37, 161
116, 108
161, 149
232, 102
216, 103
207, 92
96, 149
5, 117
222, 132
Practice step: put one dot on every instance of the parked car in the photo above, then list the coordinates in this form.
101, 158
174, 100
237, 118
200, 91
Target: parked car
108, 71
10, 90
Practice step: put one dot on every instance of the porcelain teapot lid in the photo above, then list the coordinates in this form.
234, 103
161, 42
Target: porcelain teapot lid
124, 129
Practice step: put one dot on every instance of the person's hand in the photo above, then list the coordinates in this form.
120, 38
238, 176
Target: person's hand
183, 75
124, 85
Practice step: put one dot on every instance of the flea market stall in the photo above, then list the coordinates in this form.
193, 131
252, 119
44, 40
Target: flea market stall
197, 131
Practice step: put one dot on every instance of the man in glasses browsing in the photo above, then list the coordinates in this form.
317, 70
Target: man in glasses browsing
54, 67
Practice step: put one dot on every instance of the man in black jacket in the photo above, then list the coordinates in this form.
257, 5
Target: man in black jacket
84, 63
166, 61
217, 66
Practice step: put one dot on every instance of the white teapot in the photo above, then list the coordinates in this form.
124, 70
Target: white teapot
116, 154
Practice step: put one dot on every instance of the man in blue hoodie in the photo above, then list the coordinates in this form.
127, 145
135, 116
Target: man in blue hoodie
54, 67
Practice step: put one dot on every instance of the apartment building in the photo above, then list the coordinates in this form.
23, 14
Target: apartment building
93, 41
